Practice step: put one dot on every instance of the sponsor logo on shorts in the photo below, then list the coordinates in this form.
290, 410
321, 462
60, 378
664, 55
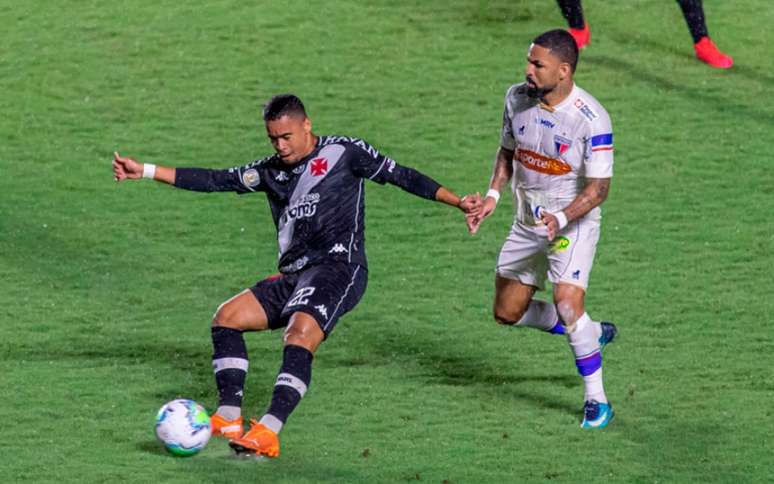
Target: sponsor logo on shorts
559, 244
251, 178
521, 130
576, 274
542, 164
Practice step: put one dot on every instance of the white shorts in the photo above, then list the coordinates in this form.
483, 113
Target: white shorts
527, 256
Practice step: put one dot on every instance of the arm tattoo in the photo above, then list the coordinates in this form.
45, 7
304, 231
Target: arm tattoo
592, 196
503, 169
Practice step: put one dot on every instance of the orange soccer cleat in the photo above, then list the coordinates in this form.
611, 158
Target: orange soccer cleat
231, 429
259, 440
707, 52
582, 36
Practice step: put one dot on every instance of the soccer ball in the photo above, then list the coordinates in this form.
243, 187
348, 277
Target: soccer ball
183, 426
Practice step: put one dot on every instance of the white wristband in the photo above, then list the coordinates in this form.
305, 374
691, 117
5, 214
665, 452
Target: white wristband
148, 170
494, 194
561, 218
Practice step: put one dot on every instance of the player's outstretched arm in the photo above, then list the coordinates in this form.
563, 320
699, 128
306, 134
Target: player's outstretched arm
470, 204
502, 171
125, 168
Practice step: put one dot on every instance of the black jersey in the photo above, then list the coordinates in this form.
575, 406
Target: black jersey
318, 203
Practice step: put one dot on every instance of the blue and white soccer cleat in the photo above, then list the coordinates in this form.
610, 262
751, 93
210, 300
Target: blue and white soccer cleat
609, 331
596, 415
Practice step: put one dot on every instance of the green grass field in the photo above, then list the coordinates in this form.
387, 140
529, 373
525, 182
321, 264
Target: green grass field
106, 290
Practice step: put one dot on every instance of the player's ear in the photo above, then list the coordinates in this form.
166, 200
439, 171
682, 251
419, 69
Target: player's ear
307, 125
565, 70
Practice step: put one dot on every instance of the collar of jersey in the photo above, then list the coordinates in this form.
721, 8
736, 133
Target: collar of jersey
566, 101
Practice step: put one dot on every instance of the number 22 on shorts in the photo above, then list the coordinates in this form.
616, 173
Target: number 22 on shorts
301, 296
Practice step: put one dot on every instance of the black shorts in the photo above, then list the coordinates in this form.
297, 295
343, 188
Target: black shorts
325, 292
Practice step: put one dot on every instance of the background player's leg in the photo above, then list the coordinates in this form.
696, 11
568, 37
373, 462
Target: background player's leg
583, 334
573, 12
514, 305
694, 17
706, 51
241, 313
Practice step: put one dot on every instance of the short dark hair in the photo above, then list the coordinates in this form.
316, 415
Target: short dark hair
561, 44
283, 105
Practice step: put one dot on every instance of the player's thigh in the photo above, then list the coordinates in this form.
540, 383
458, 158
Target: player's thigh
522, 257
326, 292
243, 312
511, 299
571, 254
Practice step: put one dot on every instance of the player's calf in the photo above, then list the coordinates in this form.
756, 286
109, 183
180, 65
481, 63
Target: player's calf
230, 364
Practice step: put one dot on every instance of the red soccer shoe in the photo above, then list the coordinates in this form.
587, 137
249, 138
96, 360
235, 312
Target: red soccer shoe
582, 36
707, 52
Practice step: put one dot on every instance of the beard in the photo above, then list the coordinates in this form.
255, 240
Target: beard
536, 92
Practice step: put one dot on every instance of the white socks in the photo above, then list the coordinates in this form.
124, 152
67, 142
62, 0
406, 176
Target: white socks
584, 341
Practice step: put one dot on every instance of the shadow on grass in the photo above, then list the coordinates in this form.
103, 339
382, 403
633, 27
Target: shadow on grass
152, 447
725, 104
442, 364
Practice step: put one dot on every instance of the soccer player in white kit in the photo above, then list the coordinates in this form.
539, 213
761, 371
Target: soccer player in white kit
556, 147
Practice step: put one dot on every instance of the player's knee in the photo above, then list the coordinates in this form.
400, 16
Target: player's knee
303, 331
569, 311
227, 316
507, 316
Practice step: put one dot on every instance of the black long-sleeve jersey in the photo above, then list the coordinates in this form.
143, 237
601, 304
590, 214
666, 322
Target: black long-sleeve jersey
318, 204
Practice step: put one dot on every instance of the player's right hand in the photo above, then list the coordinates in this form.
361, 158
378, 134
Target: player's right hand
125, 168
487, 208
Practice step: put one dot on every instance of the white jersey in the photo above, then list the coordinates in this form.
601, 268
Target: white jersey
556, 148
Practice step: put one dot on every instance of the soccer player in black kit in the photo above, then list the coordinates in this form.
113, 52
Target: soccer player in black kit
314, 186
693, 12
